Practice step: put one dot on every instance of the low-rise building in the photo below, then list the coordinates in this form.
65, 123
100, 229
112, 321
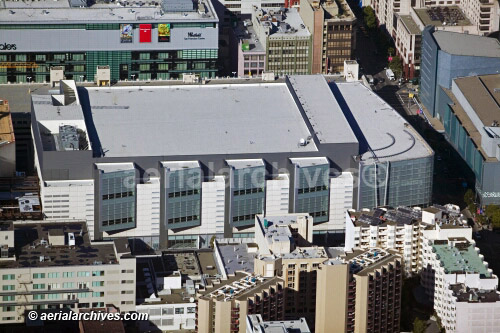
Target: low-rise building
287, 40
166, 287
54, 265
251, 51
331, 24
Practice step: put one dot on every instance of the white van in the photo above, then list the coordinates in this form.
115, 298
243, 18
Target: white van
390, 74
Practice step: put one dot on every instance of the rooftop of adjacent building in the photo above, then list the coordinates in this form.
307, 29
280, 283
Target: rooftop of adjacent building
187, 265
238, 286
410, 24
250, 42
467, 45
286, 23
472, 131
483, 94
285, 326
382, 217
335, 10
6, 127
459, 256
364, 262
236, 257
442, 16
122, 11
473, 295
35, 246
311, 252
383, 134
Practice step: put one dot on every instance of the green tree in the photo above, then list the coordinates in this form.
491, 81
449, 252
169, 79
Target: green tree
493, 213
396, 65
469, 197
369, 17
419, 326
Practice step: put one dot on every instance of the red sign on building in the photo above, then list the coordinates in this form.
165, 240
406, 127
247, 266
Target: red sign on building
144, 33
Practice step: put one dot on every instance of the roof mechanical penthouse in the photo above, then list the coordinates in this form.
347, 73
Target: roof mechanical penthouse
207, 169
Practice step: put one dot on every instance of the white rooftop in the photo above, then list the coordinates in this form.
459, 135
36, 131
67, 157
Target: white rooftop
59, 11
309, 161
324, 114
180, 165
306, 252
245, 163
387, 133
184, 120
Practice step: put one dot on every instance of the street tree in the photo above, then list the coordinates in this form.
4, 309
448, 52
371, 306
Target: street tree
369, 18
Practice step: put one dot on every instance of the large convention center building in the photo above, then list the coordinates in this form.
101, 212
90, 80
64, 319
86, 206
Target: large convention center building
161, 164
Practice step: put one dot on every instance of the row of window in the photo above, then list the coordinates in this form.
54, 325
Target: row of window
244, 217
183, 219
118, 195
249, 191
312, 189
55, 275
183, 193
117, 221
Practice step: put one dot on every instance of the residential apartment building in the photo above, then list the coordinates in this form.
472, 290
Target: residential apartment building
400, 230
215, 182
331, 24
459, 283
7, 142
146, 41
49, 265
225, 307
287, 40
471, 123
448, 55
360, 292
285, 250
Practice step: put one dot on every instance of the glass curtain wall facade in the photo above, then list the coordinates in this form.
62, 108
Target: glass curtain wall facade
248, 195
124, 65
183, 198
398, 183
462, 143
117, 200
313, 190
